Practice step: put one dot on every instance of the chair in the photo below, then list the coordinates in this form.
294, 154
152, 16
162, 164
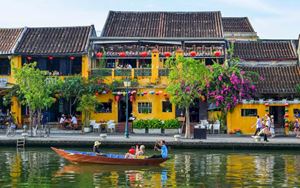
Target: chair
96, 126
111, 125
216, 127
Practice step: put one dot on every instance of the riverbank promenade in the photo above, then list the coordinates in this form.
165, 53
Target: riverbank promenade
217, 141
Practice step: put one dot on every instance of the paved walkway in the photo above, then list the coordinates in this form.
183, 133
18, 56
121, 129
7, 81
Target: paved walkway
76, 139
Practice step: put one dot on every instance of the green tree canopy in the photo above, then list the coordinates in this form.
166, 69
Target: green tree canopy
187, 79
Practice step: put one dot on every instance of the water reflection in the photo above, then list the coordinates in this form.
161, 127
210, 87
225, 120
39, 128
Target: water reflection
187, 168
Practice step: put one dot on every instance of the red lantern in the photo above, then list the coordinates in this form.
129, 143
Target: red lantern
122, 54
167, 54
96, 93
286, 125
29, 58
117, 98
266, 104
286, 115
143, 54
99, 55
193, 53
157, 93
50, 57
286, 104
218, 53
131, 98
72, 57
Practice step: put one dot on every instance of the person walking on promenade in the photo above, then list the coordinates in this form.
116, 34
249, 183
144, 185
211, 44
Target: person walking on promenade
272, 127
264, 132
258, 125
296, 128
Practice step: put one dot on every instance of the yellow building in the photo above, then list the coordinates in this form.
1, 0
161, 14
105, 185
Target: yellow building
277, 64
63, 51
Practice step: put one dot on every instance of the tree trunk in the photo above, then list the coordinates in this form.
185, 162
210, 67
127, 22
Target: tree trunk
30, 121
187, 123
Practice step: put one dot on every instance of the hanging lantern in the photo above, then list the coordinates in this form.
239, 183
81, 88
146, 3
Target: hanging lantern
122, 54
50, 57
143, 54
119, 93
266, 104
145, 93
96, 93
117, 98
160, 92
165, 94
131, 98
193, 53
157, 93
286, 104
99, 54
167, 54
217, 53
286, 125
72, 57
286, 115
29, 58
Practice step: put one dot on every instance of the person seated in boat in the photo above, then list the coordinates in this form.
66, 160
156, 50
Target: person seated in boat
138, 152
96, 147
163, 149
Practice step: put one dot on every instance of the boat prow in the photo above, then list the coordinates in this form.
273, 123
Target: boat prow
109, 159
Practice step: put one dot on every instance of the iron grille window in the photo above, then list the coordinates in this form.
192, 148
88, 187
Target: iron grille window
166, 106
104, 107
296, 113
145, 107
249, 112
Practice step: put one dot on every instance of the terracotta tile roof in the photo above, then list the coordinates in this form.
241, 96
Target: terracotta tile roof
163, 24
237, 24
265, 50
9, 39
277, 80
55, 40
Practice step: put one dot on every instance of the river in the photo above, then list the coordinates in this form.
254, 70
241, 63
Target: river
41, 167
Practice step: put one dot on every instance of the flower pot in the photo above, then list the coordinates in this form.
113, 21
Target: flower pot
154, 131
171, 131
139, 131
87, 129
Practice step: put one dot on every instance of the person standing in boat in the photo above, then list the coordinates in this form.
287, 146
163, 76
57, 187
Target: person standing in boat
163, 149
96, 147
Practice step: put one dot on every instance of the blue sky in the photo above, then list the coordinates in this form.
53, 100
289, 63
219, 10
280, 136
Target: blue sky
270, 18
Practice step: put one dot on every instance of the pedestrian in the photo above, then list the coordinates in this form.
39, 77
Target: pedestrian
296, 128
46, 128
258, 125
264, 132
272, 127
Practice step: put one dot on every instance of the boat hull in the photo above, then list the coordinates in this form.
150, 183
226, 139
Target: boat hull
82, 158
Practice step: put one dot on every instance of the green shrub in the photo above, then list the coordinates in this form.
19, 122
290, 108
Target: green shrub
140, 124
171, 124
155, 124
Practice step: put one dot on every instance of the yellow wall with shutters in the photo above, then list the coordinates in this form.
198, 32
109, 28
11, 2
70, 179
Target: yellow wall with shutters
236, 121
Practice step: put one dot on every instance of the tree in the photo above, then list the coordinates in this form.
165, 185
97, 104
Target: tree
87, 105
37, 91
229, 86
187, 80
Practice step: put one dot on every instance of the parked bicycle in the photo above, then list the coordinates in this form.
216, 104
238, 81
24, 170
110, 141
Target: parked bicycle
11, 129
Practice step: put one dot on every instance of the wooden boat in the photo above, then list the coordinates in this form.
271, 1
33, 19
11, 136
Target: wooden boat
109, 159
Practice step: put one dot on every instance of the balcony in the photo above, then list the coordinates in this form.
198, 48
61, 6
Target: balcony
142, 72
102, 72
123, 72
163, 72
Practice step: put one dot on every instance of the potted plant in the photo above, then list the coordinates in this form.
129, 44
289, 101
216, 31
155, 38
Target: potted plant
155, 126
87, 105
171, 126
139, 126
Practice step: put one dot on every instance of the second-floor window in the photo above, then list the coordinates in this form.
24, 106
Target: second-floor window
249, 112
166, 106
58, 65
4, 66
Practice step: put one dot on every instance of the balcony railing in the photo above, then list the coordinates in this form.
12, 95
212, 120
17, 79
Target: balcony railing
123, 72
142, 72
163, 72
102, 72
